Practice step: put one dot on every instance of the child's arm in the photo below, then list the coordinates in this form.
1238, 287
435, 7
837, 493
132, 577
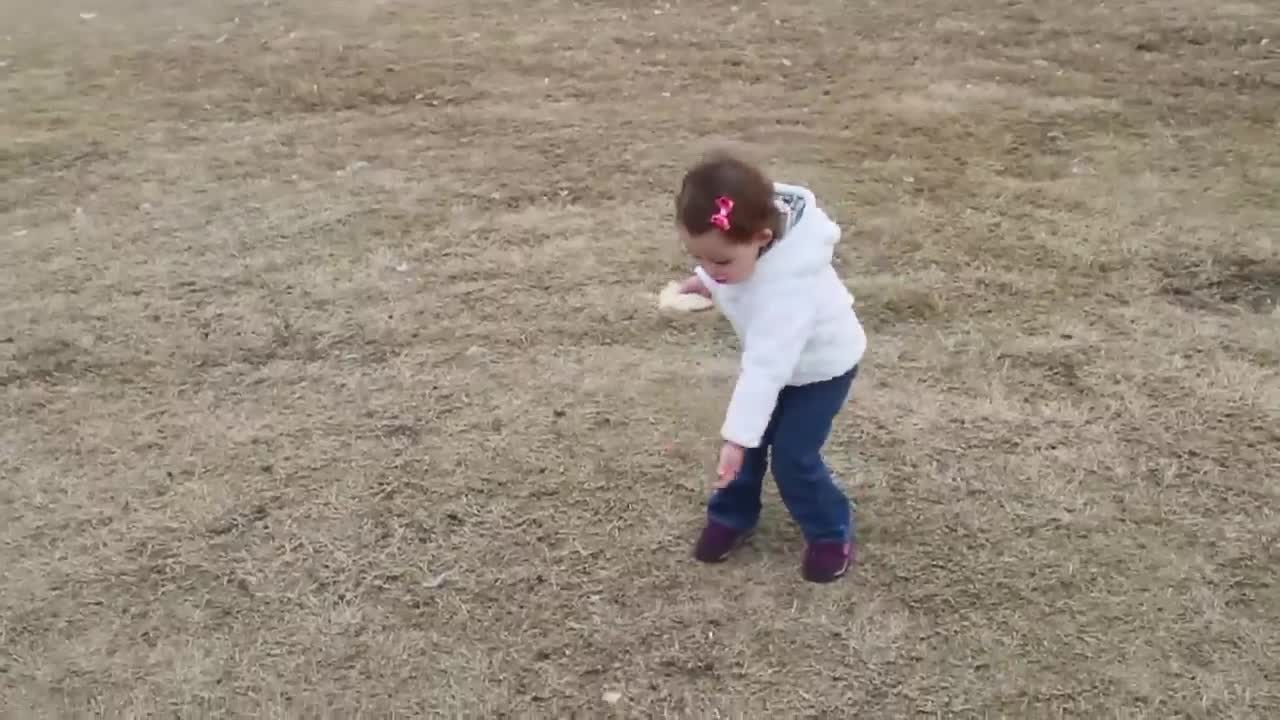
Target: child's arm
770, 352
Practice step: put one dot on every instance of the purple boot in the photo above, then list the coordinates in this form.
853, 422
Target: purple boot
828, 561
718, 542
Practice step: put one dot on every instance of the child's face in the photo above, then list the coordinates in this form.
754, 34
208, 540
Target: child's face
727, 262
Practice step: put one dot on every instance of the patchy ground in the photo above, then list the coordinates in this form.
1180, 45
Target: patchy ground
331, 385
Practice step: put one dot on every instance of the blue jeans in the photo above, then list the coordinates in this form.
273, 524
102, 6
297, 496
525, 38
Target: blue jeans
796, 433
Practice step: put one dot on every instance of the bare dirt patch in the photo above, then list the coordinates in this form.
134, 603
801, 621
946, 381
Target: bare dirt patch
331, 382
1234, 281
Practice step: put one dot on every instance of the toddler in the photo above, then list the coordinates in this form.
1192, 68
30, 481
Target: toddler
763, 253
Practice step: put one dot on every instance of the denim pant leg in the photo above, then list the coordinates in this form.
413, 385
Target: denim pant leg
737, 504
803, 422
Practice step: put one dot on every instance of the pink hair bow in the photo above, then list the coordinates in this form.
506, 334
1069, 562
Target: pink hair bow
720, 219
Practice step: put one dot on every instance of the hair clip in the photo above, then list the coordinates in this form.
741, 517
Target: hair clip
720, 219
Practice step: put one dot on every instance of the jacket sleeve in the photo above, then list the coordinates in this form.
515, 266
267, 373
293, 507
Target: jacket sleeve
771, 348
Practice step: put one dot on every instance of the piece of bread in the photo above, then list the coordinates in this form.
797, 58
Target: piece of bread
672, 299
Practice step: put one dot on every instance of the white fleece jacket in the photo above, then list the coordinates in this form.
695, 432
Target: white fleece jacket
794, 316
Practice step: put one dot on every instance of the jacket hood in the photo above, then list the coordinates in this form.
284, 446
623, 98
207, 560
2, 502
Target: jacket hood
808, 241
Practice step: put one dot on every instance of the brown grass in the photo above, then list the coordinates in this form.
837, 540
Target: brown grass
332, 384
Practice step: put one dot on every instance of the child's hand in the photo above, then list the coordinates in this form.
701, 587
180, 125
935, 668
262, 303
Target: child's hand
688, 295
694, 285
730, 463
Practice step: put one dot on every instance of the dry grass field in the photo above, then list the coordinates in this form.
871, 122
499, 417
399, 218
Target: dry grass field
332, 385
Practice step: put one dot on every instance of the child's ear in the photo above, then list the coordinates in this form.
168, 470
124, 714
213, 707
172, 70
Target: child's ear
763, 237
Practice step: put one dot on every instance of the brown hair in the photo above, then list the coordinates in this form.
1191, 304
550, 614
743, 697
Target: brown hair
723, 175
